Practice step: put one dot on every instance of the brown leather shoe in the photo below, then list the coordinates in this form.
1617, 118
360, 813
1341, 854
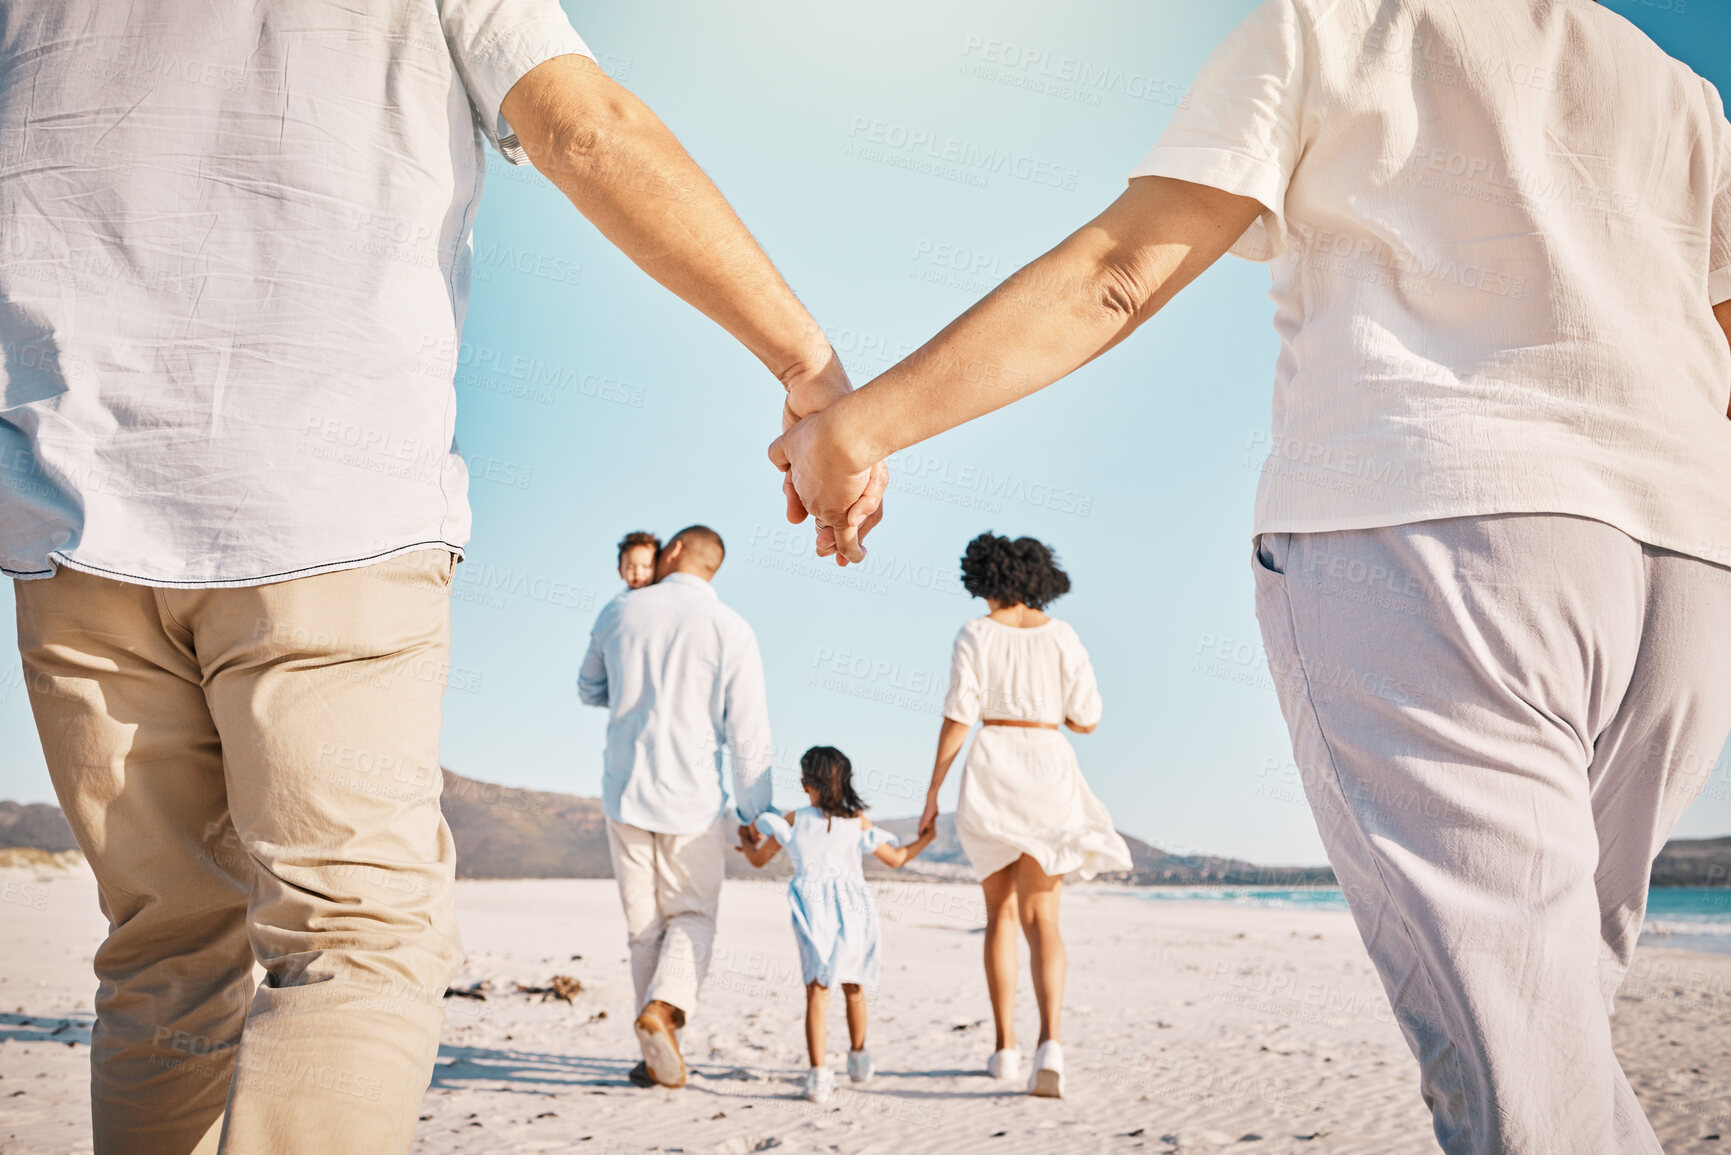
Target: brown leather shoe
655, 1034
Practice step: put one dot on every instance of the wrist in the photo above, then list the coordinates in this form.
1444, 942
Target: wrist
811, 359
847, 428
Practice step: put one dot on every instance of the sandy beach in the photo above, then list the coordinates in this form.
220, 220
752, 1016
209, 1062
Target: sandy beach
1191, 1026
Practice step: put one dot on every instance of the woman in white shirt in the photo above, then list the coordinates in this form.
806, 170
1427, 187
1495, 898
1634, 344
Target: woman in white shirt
1026, 816
1494, 532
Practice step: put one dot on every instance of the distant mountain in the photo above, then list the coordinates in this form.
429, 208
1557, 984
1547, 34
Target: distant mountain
505, 832
1694, 862
36, 825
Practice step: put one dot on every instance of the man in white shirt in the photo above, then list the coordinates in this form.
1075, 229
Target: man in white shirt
232, 287
1494, 531
681, 677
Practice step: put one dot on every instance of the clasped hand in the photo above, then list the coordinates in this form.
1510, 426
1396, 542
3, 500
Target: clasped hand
821, 476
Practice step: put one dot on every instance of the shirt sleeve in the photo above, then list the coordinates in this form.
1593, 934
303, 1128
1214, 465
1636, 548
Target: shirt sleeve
1719, 266
494, 42
592, 678
1082, 703
962, 703
745, 721
773, 825
1240, 130
877, 836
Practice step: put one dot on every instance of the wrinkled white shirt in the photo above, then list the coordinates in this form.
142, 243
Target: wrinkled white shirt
1497, 233
234, 261
1038, 674
681, 677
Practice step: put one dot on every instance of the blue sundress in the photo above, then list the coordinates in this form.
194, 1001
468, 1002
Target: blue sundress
835, 920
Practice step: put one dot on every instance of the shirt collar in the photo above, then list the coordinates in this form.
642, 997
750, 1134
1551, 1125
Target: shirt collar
688, 579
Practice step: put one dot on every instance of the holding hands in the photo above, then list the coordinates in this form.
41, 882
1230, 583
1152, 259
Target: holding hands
929, 818
1046, 320
851, 503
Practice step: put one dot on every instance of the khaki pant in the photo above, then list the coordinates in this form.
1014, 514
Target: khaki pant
1498, 721
670, 885
254, 775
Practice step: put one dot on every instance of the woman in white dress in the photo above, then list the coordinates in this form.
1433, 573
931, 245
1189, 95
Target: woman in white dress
1026, 816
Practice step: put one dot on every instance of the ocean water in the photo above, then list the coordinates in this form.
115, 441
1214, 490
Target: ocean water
1678, 917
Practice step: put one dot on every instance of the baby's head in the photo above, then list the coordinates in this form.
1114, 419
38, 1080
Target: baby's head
827, 776
637, 553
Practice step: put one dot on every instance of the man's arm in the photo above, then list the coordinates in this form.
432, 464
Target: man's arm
1048, 319
1723, 312
745, 721
592, 678
626, 173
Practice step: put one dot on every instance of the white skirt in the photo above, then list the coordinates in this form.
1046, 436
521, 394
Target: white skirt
1023, 793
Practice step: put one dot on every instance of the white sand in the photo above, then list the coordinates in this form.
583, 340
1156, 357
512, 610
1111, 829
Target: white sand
1190, 1027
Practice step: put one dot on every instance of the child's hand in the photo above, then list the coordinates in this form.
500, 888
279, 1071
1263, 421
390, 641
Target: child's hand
757, 846
929, 819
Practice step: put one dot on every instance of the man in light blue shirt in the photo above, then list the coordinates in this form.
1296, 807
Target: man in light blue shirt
681, 677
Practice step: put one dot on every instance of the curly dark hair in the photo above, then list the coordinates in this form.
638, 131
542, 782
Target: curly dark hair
1021, 572
827, 771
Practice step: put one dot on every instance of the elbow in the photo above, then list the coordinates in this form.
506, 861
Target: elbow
1119, 292
578, 148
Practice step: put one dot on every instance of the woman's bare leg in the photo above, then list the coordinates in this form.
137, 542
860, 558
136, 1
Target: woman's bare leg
1037, 903
856, 1015
1001, 920
816, 1022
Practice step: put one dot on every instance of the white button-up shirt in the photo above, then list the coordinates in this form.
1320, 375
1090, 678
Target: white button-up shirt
681, 677
234, 261
1497, 233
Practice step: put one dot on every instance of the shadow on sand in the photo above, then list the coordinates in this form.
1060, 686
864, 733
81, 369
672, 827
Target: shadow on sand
74, 1031
529, 1072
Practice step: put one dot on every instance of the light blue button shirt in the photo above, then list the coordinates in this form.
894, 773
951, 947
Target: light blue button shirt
681, 677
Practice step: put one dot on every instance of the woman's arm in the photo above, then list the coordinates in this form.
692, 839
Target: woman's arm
950, 739
1047, 320
1081, 729
899, 856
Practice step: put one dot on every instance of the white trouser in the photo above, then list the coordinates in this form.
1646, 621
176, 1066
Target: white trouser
670, 885
1498, 721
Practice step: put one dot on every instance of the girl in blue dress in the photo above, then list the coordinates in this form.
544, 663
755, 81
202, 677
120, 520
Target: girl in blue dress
834, 918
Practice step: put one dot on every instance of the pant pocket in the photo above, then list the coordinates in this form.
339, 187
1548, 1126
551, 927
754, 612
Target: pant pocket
1268, 561
1268, 553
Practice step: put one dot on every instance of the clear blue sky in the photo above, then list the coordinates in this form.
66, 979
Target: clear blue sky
1140, 469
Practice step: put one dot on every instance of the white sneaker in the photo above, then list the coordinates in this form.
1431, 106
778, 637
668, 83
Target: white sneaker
1047, 1081
860, 1067
1004, 1065
819, 1085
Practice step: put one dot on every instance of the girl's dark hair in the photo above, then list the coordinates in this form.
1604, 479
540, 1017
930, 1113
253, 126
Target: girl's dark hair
1021, 572
827, 771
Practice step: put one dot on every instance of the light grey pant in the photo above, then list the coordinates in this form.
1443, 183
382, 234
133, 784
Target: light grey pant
1498, 721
